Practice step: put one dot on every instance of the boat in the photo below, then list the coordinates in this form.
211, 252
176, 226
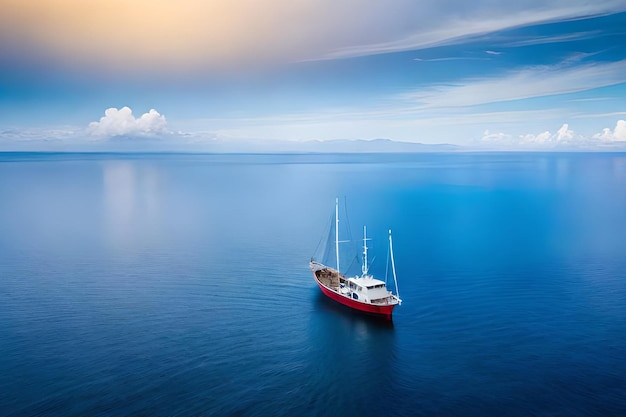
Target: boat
362, 292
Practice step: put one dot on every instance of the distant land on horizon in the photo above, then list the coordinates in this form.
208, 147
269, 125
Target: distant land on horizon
125, 144
330, 146
218, 145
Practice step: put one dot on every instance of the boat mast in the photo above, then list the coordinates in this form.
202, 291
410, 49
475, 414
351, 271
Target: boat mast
393, 266
337, 231
364, 267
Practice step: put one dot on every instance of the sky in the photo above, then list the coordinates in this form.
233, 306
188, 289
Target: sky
192, 75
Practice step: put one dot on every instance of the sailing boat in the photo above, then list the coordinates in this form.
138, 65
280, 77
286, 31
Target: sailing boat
364, 293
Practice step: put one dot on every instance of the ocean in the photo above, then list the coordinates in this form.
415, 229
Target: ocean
178, 284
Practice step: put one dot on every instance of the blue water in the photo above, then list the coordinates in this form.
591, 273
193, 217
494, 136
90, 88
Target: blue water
179, 285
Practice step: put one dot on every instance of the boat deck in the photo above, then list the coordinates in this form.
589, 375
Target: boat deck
329, 278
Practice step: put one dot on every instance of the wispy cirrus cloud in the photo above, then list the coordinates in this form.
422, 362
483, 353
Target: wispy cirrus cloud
601, 115
541, 40
123, 35
539, 81
452, 28
451, 58
30, 134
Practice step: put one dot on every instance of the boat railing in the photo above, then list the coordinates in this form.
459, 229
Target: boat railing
382, 301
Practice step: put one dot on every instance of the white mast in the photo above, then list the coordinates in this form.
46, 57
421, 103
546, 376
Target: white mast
393, 266
337, 231
364, 267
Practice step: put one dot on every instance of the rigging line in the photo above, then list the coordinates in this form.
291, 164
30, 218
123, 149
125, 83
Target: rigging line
387, 265
345, 208
356, 258
322, 236
393, 268
354, 242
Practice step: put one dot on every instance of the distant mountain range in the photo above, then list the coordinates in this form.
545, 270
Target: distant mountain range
326, 146
186, 143
376, 145
190, 144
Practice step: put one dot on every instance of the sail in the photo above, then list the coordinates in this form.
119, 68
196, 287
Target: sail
326, 252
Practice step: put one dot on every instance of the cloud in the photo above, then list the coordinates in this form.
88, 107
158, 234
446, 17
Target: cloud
539, 81
122, 123
617, 135
59, 134
539, 40
564, 134
564, 137
114, 123
453, 22
497, 138
138, 34
451, 58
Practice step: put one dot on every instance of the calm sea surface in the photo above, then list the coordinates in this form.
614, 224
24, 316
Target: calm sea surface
179, 285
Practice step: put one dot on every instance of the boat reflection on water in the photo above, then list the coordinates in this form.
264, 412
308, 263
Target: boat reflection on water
353, 359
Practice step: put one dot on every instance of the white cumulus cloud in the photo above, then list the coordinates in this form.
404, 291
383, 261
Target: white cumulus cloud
499, 138
617, 135
122, 122
563, 136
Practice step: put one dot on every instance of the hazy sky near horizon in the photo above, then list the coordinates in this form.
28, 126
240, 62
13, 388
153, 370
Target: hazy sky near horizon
188, 72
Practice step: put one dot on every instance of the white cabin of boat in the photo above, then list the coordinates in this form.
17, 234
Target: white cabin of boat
370, 290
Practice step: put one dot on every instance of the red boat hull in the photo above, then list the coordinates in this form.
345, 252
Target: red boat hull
379, 310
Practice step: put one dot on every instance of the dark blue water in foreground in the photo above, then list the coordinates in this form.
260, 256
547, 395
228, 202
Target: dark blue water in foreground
179, 285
